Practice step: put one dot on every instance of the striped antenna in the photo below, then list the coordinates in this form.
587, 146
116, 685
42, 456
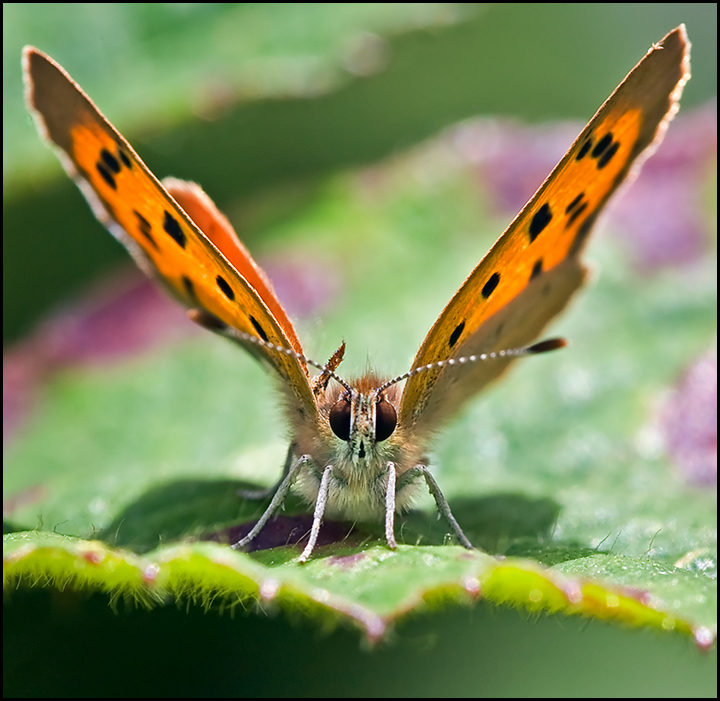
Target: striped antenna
210, 322
550, 344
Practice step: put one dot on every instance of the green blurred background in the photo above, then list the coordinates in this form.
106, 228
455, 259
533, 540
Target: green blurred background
258, 102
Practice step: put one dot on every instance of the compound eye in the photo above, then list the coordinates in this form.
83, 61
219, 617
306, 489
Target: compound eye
385, 419
340, 418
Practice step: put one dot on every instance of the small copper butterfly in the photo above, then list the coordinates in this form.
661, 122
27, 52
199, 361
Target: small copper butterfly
358, 448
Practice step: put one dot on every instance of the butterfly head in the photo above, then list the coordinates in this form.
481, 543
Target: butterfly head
364, 417
364, 414
361, 416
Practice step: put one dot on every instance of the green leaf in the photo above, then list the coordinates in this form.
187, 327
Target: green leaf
370, 589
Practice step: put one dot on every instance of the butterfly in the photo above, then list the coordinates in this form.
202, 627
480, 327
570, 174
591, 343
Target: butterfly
358, 448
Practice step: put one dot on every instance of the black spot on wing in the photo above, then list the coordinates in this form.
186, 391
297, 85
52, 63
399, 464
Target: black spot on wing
607, 156
108, 165
576, 214
225, 288
172, 227
189, 287
259, 328
110, 161
584, 149
574, 203
604, 150
490, 285
455, 335
124, 157
539, 221
144, 228
602, 145
575, 209
106, 175
537, 269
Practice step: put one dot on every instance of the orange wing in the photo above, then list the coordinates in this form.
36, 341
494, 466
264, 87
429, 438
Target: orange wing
533, 269
182, 240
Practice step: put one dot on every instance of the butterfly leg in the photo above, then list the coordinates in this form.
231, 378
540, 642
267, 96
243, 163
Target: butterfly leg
276, 502
443, 506
390, 507
260, 494
320, 504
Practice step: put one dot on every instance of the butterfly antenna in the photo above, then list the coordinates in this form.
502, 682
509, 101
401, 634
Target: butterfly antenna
206, 320
550, 344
